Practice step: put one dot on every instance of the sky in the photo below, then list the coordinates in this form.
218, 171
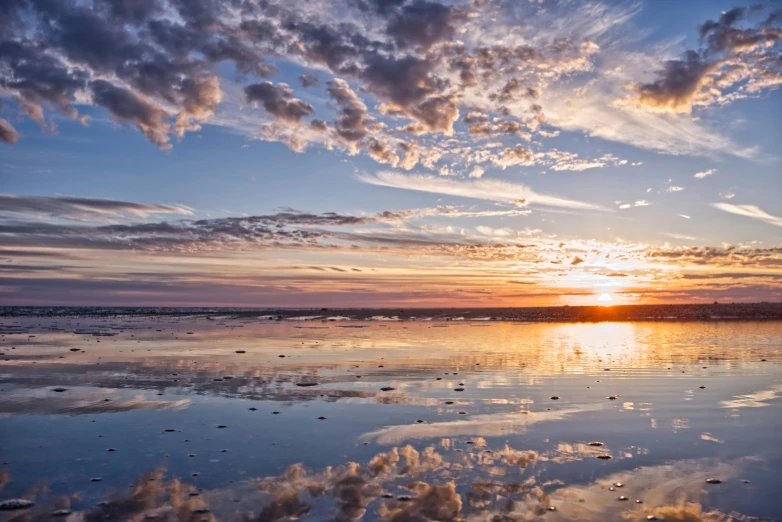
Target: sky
389, 153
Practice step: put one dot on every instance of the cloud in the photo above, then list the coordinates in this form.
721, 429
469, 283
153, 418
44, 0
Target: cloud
704, 173
750, 211
278, 100
674, 188
7, 132
733, 63
489, 425
491, 190
83, 208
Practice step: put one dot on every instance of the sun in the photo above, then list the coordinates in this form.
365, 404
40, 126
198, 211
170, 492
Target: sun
605, 299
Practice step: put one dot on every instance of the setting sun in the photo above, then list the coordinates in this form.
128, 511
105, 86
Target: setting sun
605, 299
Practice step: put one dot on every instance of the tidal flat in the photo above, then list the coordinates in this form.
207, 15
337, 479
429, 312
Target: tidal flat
222, 416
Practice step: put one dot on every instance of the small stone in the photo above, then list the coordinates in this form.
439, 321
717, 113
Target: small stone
111, 450
95, 479
419, 421
241, 351
321, 418
306, 384
639, 501
253, 409
448, 402
713, 481
554, 398
169, 430
702, 387
604, 457
596, 443
60, 513
619, 485
552, 508
387, 388
612, 398
222, 426
622, 497
275, 413
59, 390
458, 389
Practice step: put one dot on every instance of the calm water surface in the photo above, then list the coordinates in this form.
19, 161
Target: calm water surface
160, 418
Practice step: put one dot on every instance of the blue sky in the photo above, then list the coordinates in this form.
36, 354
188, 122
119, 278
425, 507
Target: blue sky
593, 114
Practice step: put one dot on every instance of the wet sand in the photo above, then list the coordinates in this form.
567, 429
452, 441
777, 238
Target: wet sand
316, 416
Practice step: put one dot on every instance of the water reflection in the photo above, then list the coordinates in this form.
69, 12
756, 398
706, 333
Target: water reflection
242, 420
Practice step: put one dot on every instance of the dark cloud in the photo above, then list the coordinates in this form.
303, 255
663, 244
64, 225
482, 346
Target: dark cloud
309, 80
279, 101
353, 123
125, 105
737, 54
7, 132
680, 81
422, 24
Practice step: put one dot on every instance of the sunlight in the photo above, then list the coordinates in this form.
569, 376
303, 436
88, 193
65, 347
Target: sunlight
605, 299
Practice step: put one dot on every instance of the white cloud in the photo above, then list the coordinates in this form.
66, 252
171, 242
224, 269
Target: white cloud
487, 189
750, 211
704, 173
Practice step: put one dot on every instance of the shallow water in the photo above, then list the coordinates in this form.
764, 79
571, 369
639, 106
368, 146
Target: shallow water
691, 402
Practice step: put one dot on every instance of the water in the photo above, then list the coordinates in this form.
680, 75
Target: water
673, 404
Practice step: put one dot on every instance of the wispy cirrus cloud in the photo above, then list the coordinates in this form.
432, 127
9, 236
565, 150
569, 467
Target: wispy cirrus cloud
486, 189
75, 208
750, 211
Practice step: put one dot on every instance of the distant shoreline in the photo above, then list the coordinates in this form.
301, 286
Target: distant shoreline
674, 312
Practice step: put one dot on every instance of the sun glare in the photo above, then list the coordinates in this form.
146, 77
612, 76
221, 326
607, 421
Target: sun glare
605, 299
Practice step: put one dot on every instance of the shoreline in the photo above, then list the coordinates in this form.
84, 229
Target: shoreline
567, 314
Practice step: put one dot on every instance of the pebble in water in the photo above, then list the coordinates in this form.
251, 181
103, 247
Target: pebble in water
612, 397
306, 384
619, 485
713, 481
622, 497
321, 418
221, 426
240, 351
555, 398
60, 513
448, 402
59, 390
596, 443
419, 421
95, 479
458, 389
253, 409
275, 413
111, 450
16, 503
169, 430
604, 457
387, 388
